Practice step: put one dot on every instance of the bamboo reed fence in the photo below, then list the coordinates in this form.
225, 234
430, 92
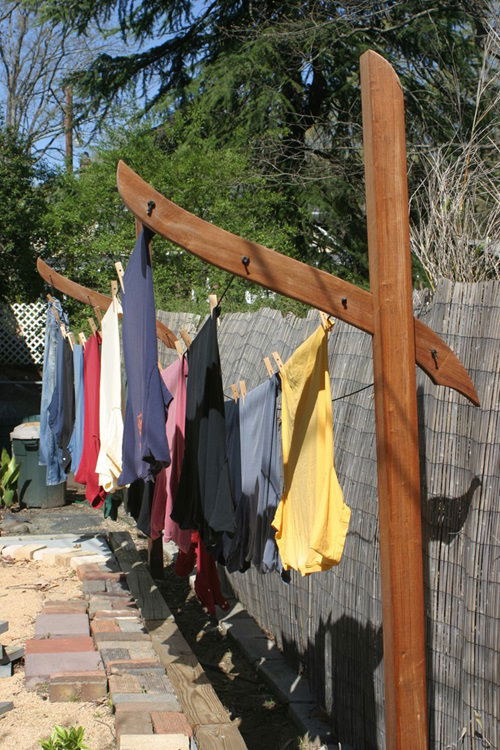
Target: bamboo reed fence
330, 624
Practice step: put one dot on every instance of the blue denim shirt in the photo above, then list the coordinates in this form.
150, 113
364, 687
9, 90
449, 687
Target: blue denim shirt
75, 446
48, 451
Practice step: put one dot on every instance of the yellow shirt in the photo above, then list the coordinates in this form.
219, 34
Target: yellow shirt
312, 518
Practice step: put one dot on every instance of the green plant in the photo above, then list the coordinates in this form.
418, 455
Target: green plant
65, 739
9, 474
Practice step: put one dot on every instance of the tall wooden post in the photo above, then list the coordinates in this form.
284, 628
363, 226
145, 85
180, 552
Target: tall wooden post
395, 405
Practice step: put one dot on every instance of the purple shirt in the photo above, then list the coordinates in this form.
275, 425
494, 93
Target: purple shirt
145, 447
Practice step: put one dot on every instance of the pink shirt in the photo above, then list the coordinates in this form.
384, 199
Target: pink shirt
167, 481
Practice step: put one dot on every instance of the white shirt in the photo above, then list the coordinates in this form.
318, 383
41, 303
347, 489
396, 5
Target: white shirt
109, 461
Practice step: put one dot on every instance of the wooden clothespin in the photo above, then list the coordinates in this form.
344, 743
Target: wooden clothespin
234, 391
97, 313
120, 273
160, 366
212, 299
55, 313
178, 348
82, 338
114, 292
71, 341
185, 337
326, 321
278, 361
243, 389
269, 366
92, 325
63, 330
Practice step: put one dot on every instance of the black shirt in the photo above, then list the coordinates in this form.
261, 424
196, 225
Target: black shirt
204, 500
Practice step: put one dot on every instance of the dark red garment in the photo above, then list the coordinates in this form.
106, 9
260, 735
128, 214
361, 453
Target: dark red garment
207, 584
86, 473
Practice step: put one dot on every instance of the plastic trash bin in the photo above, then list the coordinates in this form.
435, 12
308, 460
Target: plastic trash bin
31, 488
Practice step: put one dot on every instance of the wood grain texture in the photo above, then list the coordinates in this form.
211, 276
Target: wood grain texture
219, 737
139, 580
93, 299
395, 406
195, 693
282, 274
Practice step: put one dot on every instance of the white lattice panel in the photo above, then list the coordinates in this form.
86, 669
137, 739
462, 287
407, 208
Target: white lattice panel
22, 333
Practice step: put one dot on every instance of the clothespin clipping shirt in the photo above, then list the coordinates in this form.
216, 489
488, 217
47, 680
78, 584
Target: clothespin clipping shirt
120, 273
243, 389
212, 299
185, 337
82, 338
97, 313
71, 340
234, 391
179, 349
326, 321
278, 361
114, 292
92, 325
269, 366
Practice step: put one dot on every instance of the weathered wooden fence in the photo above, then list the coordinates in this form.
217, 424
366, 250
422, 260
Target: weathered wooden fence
330, 624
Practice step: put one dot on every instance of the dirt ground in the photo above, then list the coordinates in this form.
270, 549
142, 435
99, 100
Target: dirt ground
23, 589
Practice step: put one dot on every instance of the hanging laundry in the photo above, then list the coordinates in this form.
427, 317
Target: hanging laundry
261, 467
109, 462
75, 446
62, 405
167, 480
206, 584
204, 500
139, 502
145, 448
232, 548
312, 519
86, 473
49, 455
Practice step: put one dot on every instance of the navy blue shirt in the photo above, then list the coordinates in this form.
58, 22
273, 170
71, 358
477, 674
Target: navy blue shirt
145, 447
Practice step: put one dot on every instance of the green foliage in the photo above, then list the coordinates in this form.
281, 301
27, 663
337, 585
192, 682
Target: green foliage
88, 228
22, 204
9, 474
65, 739
253, 121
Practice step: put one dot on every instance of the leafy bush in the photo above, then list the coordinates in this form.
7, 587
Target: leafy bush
65, 739
9, 474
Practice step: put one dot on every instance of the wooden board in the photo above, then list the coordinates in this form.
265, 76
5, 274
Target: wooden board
195, 693
398, 467
282, 274
139, 580
219, 737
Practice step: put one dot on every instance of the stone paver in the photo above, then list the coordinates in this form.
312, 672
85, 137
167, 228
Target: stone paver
78, 605
104, 627
131, 626
62, 624
136, 722
38, 667
78, 686
135, 667
92, 572
59, 645
106, 614
154, 742
76, 562
170, 722
49, 554
124, 683
27, 551
131, 702
117, 638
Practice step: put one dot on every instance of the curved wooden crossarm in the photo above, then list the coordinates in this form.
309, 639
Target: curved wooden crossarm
282, 274
94, 299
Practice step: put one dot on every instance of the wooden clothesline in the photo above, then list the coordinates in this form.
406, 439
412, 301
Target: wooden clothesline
386, 312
